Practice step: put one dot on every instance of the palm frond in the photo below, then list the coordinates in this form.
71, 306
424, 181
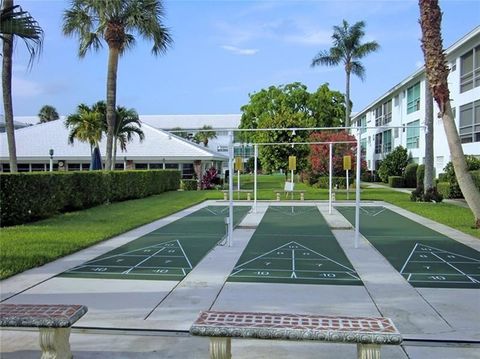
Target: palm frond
358, 69
328, 58
15, 22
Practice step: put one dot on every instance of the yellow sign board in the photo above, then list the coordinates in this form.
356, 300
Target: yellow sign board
347, 163
238, 164
292, 163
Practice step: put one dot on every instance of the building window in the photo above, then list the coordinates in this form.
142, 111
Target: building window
362, 123
141, 166
171, 166
387, 141
156, 166
469, 128
413, 134
73, 166
23, 167
383, 113
470, 70
363, 146
38, 167
439, 163
188, 171
378, 143
413, 98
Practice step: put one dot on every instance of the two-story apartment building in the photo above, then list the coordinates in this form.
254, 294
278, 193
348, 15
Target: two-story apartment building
396, 117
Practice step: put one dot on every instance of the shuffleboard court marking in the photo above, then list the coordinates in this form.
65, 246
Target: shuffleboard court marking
98, 266
217, 213
293, 211
288, 253
372, 211
429, 257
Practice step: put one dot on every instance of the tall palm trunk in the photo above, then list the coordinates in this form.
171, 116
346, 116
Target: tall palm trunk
347, 99
7, 94
428, 180
437, 74
113, 55
114, 156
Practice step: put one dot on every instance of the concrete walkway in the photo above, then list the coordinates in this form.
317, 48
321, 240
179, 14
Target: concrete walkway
150, 319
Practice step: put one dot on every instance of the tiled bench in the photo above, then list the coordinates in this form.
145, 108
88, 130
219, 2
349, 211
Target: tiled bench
248, 192
278, 193
368, 333
54, 322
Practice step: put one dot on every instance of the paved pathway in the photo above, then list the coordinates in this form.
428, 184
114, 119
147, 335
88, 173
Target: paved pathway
163, 310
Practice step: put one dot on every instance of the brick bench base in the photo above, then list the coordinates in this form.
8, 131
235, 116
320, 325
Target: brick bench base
278, 194
53, 321
368, 333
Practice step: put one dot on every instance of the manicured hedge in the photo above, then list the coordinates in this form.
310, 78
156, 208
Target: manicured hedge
189, 184
443, 188
420, 175
338, 182
395, 181
27, 197
411, 175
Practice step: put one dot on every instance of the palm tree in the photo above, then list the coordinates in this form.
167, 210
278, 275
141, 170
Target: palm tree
206, 133
48, 113
127, 125
86, 125
347, 50
114, 22
14, 22
437, 75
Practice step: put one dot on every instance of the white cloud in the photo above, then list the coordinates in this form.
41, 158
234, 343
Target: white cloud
312, 38
25, 88
238, 51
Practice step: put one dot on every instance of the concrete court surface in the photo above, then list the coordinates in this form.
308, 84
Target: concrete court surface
431, 320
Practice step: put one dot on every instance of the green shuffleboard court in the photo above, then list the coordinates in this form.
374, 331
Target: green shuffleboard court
423, 256
168, 253
294, 245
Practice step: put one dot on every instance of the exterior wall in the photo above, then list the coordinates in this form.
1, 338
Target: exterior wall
401, 119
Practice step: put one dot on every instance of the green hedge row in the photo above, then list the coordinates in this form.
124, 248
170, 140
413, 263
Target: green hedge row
27, 197
189, 184
396, 181
337, 182
443, 188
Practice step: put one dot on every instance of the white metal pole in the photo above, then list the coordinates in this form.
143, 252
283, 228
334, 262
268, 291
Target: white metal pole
230, 188
238, 184
51, 164
348, 194
357, 191
330, 168
255, 155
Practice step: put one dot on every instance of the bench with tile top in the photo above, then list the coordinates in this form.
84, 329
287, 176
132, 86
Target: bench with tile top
278, 193
368, 333
54, 322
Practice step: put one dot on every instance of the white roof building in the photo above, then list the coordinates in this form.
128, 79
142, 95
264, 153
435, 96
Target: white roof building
159, 149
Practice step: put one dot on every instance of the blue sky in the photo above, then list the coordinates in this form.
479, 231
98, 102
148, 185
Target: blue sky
224, 50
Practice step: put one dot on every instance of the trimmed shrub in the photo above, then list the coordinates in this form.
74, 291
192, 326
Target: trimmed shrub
442, 177
411, 175
443, 188
476, 178
394, 164
420, 175
27, 197
189, 184
395, 181
432, 195
473, 164
337, 182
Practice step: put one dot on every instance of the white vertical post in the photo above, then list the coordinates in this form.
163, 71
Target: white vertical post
51, 163
357, 190
330, 170
255, 155
348, 194
238, 184
230, 188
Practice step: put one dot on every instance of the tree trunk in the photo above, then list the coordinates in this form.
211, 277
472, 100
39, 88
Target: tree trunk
197, 167
347, 99
429, 175
7, 94
113, 55
114, 161
437, 74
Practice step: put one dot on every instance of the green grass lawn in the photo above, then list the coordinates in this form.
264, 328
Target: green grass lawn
31, 245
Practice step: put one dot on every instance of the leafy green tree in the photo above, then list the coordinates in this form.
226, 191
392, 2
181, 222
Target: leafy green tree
127, 126
288, 106
48, 113
15, 23
394, 164
347, 50
86, 125
115, 22
205, 135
